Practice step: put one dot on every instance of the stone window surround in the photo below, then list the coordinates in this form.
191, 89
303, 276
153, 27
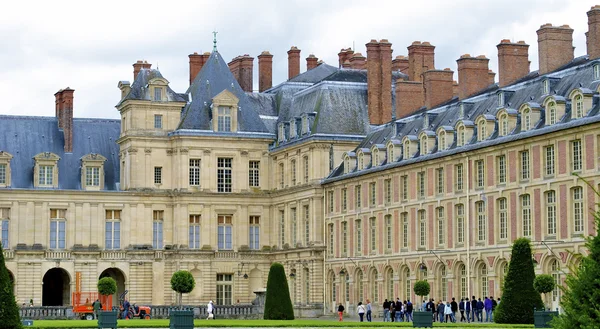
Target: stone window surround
226, 99
45, 159
92, 160
5, 158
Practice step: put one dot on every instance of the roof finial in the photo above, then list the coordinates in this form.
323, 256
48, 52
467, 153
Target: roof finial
215, 40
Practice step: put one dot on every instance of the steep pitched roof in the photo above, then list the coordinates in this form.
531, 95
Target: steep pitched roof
140, 91
213, 78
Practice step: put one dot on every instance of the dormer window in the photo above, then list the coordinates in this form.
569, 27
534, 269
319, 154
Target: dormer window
482, 134
461, 111
545, 87
551, 113
224, 117
406, 150
346, 164
578, 107
503, 124
597, 72
157, 89
410, 145
442, 143
304, 125
555, 109
5, 168
158, 122
361, 158
461, 138
224, 109
445, 137
390, 153
375, 161
46, 170
92, 171
500, 99
526, 119
581, 102
424, 146
158, 94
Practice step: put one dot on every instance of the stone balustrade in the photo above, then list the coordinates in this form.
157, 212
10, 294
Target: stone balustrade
9, 254
113, 254
57, 254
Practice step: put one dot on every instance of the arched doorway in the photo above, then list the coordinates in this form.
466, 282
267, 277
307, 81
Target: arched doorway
119, 277
255, 283
56, 288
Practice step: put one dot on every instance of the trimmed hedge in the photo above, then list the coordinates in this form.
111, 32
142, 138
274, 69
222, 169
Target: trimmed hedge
9, 312
182, 282
278, 305
519, 298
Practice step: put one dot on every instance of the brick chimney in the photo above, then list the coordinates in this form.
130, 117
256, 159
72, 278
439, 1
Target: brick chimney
420, 59
438, 86
65, 119
454, 88
593, 33
346, 65
265, 71
409, 97
138, 66
197, 61
400, 63
358, 61
379, 81
513, 61
241, 67
473, 75
491, 77
344, 55
58, 107
311, 62
555, 47
293, 62
385, 51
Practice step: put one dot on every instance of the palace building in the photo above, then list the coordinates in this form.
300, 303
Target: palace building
360, 178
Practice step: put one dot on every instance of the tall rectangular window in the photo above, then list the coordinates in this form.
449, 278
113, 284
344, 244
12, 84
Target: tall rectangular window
281, 175
501, 169
4, 222
112, 229
194, 172
194, 232
421, 184
254, 173
404, 187
358, 230
387, 184
58, 223
524, 165
503, 218
526, 214
441, 225
306, 225
344, 239
281, 228
578, 209
549, 163
224, 118
293, 173
480, 174
330, 201
224, 231
481, 221
440, 180
331, 239
157, 93
460, 223
2, 174
422, 228
92, 176
157, 228
388, 232
459, 177
46, 175
576, 157
254, 232
224, 179
158, 122
157, 175
224, 289
373, 225
373, 194
551, 212
405, 235
306, 169
344, 199
357, 195
294, 220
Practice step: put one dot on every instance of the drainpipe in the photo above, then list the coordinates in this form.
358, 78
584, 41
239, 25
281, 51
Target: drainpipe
468, 237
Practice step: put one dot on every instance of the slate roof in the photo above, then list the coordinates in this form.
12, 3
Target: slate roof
24, 137
140, 91
577, 74
213, 78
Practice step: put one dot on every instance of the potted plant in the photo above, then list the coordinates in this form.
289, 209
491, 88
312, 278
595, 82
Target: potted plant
106, 287
422, 318
543, 284
182, 282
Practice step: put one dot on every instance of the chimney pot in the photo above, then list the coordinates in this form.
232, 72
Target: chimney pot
265, 71
438, 87
421, 58
513, 62
293, 62
379, 81
593, 34
65, 116
311, 62
555, 47
473, 75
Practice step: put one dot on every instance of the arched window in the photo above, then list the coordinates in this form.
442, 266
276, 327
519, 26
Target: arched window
443, 283
526, 119
407, 291
347, 288
504, 124
424, 146
442, 141
390, 284
578, 107
482, 130
483, 278
333, 297
346, 164
407, 149
375, 158
577, 209
373, 286
361, 158
390, 153
551, 113
359, 285
526, 214
555, 272
463, 280
461, 136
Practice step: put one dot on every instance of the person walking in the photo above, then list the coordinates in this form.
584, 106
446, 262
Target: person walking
480, 310
448, 313
369, 310
341, 312
361, 311
392, 310
441, 309
398, 309
461, 308
454, 308
97, 307
210, 309
126, 306
488, 305
386, 310
473, 309
468, 309
409, 311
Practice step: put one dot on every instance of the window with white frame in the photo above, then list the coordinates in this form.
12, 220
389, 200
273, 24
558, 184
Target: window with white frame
373, 228
157, 175
112, 229
504, 124
442, 141
578, 107
500, 99
254, 173
347, 288
46, 175
281, 227
305, 160
158, 121
404, 187
358, 232
440, 180
481, 221
4, 227
526, 214
443, 283
555, 272
294, 221
224, 178
483, 279
577, 209
293, 171
360, 285
92, 176
441, 225
158, 217
375, 158
461, 138
481, 129
361, 161
306, 277
389, 280
503, 218
344, 239
480, 174
357, 195
3, 174
58, 223
424, 145
526, 119
459, 177
224, 289
344, 199
390, 153
158, 93
330, 201
405, 236
306, 225
460, 223
550, 212
224, 118
463, 280
331, 239
549, 160
406, 150
524, 156
421, 184
576, 156
387, 187
597, 72
407, 290
501, 162
422, 228
545, 87
388, 232
194, 171
224, 232
45, 170
551, 108
281, 175
373, 194
194, 232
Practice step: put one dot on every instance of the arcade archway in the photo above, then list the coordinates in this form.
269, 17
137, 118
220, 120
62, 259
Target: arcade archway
56, 288
119, 277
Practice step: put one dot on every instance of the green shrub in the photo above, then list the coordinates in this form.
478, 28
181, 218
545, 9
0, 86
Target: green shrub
422, 288
182, 282
278, 305
519, 298
9, 312
107, 286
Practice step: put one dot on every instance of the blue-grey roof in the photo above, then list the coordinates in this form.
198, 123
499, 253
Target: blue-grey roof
316, 74
140, 91
24, 137
213, 78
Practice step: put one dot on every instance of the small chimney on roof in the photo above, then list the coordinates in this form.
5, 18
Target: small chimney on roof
358, 61
311, 62
438, 87
473, 75
555, 47
64, 114
421, 58
241, 67
265, 71
400, 63
593, 33
344, 55
138, 66
293, 62
197, 61
513, 61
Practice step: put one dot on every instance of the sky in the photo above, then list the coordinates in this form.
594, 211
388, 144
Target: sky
90, 46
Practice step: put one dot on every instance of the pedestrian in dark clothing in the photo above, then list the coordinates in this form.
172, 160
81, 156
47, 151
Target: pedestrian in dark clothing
440, 310
341, 312
494, 303
480, 310
409, 311
454, 308
461, 308
386, 310
487, 305
473, 309
398, 307
468, 309
392, 310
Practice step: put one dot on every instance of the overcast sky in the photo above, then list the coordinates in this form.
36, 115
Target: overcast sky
47, 45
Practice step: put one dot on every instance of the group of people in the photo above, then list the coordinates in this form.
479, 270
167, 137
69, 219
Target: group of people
471, 310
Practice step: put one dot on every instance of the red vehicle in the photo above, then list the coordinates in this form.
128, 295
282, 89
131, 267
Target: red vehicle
82, 304
143, 312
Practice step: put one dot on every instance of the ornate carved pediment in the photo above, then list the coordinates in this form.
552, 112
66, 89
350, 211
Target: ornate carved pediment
93, 157
5, 155
225, 97
47, 156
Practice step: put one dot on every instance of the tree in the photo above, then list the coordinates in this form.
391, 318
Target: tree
519, 298
422, 288
107, 286
278, 305
581, 296
182, 282
9, 312
544, 283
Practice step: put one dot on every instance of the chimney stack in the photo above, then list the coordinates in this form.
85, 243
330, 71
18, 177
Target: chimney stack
379, 81
265, 71
58, 108
344, 55
64, 114
473, 75
347, 64
138, 66
420, 59
438, 86
513, 61
491, 77
197, 61
385, 51
555, 47
593, 33
241, 67
409, 97
293, 62
400, 63
358, 61
311, 62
